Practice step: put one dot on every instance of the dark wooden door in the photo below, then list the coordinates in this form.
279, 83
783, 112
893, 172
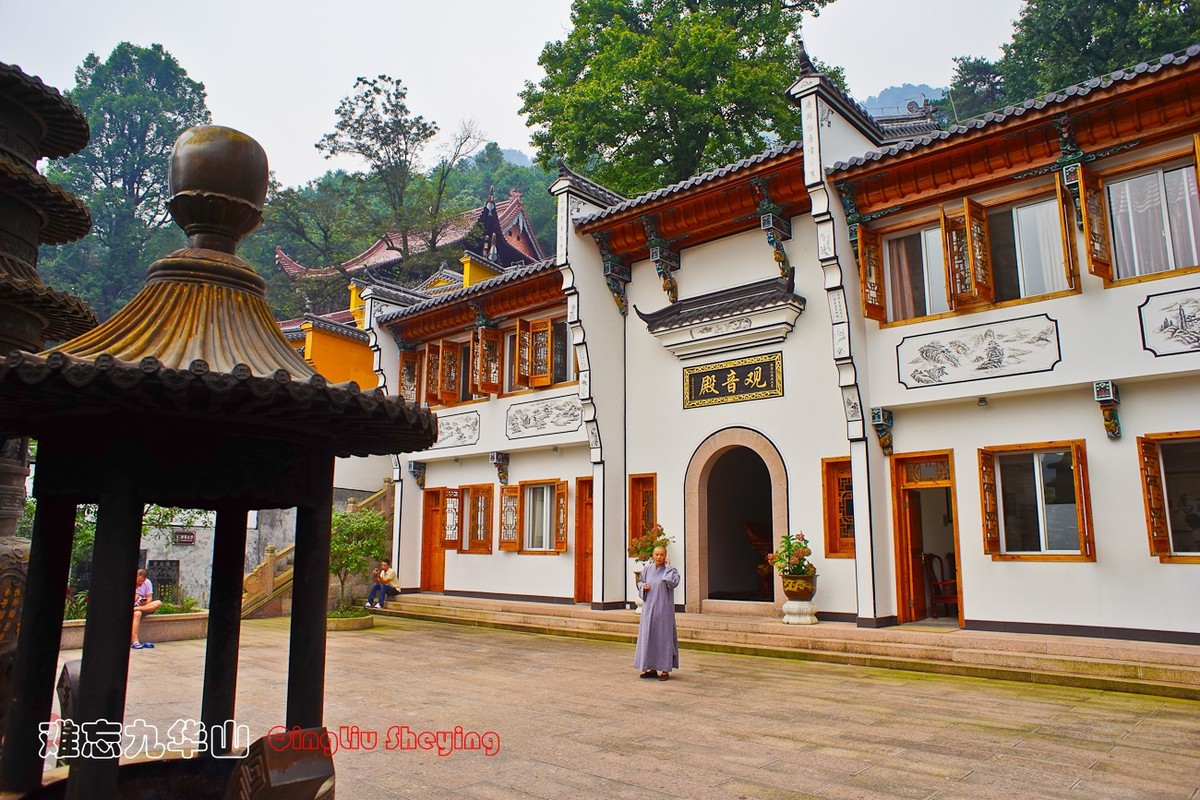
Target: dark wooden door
583, 540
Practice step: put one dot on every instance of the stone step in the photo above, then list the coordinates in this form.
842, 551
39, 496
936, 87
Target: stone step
1140, 667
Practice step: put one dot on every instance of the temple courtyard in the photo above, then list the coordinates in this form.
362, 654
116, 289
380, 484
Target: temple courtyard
465, 712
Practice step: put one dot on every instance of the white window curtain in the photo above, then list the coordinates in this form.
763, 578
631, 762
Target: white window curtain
1183, 213
1040, 251
1138, 226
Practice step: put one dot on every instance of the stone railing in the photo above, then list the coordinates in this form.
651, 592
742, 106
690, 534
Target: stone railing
266, 579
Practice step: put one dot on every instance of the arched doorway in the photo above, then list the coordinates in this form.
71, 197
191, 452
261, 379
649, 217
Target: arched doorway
739, 527
736, 478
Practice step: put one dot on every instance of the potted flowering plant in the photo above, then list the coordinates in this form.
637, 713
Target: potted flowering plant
642, 548
798, 573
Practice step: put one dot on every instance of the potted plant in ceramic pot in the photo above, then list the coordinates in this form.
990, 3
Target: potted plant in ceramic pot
798, 573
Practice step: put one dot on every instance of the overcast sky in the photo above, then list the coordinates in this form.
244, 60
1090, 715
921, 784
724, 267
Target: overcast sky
276, 69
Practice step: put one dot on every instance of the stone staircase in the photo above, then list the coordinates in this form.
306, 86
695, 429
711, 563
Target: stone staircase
1168, 670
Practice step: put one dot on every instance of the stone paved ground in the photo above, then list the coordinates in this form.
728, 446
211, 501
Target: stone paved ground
574, 721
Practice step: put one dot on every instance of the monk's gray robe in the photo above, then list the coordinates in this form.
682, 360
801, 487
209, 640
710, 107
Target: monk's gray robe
657, 642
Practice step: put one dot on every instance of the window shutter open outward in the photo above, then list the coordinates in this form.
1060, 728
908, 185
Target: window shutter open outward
1083, 499
433, 363
448, 371
1068, 232
870, 273
1152, 494
489, 363
560, 516
523, 353
991, 506
968, 256
540, 347
452, 499
1095, 224
510, 518
473, 366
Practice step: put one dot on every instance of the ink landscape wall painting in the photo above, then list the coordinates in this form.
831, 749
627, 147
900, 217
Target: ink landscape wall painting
1012, 347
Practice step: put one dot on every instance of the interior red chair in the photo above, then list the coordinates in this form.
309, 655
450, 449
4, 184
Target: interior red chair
943, 587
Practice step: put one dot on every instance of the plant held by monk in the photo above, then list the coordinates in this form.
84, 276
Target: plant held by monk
642, 548
792, 556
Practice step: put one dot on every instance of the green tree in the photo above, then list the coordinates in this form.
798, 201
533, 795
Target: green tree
356, 539
137, 103
1057, 43
977, 88
644, 93
376, 125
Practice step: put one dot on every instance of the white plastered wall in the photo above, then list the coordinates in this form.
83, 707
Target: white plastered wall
805, 425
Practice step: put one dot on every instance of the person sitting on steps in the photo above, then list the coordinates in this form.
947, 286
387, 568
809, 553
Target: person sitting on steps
381, 587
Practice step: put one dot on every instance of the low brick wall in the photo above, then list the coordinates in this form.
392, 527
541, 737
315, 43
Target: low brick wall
155, 628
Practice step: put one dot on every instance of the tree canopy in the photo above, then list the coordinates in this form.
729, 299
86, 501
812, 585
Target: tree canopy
1057, 43
644, 93
137, 103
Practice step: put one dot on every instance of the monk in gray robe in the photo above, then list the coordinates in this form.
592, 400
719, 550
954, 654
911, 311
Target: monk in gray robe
658, 643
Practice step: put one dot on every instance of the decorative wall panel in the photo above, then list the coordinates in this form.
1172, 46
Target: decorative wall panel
978, 352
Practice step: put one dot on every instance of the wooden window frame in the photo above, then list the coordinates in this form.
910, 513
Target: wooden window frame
541, 372
836, 545
433, 362
967, 254
1154, 496
870, 274
637, 488
449, 371
524, 355
992, 513
511, 530
487, 347
1093, 207
970, 283
410, 362
451, 518
470, 543
555, 487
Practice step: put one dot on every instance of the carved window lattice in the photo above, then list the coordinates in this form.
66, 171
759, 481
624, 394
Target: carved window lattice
448, 372
560, 516
488, 362
968, 255
643, 508
409, 376
1152, 493
523, 353
433, 363
839, 508
870, 265
510, 518
926, 471
991, 505
1095, 224
540, 344
450, 514
479, 519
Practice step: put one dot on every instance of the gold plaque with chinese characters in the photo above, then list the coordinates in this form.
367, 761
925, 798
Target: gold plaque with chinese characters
751, 378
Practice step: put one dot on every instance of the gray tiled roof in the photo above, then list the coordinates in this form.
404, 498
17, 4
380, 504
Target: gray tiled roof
692, 182
1035, 104
602, 193
721, 304
516, 273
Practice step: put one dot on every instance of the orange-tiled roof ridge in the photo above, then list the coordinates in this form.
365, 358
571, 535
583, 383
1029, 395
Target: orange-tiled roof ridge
386, 250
